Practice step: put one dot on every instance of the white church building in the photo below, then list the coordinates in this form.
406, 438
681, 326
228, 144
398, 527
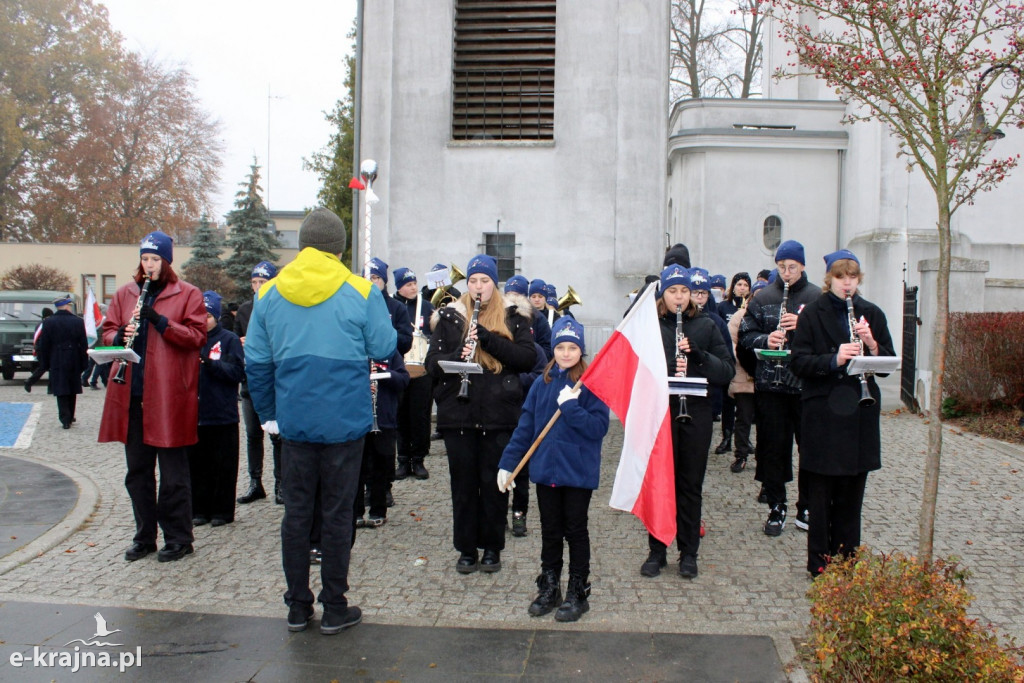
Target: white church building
543, 138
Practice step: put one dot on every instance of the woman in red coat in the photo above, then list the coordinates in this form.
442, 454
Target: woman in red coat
170, 332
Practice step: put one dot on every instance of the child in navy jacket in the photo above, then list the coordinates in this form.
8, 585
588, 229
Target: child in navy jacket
213, 460
565, 467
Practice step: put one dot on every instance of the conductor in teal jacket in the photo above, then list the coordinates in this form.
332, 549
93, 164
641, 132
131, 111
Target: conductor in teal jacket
313, 330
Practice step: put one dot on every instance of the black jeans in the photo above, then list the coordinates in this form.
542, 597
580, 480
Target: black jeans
835, 505
563, 516
414, 419
744, 404
377, 471
521, 493
690, 444
336, 468
254, 443
66, 408
213, 468
171, 507
778, 424
728, 411
478, 508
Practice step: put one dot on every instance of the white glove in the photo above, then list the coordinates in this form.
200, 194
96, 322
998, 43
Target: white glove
567, 394
505, 477
271, 427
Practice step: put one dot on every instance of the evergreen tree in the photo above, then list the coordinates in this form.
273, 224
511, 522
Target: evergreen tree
206, 246
249, 233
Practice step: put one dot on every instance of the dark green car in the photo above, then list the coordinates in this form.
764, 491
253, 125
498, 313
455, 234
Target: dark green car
21, 311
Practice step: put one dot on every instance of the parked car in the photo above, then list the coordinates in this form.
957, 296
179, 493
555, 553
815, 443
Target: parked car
21, 311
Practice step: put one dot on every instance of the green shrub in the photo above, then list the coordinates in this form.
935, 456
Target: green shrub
889, 618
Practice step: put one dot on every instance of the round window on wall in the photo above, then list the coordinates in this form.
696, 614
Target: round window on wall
772, 232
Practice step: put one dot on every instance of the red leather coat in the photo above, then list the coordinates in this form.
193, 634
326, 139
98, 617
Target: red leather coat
170, 395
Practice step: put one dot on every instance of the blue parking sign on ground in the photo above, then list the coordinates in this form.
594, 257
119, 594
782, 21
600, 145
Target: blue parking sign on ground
15, 431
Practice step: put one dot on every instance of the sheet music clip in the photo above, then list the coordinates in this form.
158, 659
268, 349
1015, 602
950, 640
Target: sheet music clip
772, 354
380, 375
459, 367
879, 365
106, 354
688, 386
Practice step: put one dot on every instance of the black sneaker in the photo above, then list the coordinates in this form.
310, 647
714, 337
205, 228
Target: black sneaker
299, 617
336, 622
653, 564
688, 566
518, 524
739, 464
802, 519
776, 521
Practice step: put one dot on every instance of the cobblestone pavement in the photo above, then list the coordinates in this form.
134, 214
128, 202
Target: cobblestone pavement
402, 573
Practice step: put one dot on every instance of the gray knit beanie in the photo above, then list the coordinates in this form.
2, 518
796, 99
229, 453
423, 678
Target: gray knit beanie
323, 230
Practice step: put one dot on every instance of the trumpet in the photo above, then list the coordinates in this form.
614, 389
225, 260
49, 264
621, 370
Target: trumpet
684, 413
464, 377
570, 298
866, 399
441, 292
779, 367
118, 376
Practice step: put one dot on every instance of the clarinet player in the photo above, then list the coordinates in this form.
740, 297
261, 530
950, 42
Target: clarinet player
841, 441
167, 334
477, 427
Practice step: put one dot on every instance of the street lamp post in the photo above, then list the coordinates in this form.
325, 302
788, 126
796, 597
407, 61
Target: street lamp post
979, 133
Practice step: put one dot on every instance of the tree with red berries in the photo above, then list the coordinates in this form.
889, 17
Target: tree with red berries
943, 76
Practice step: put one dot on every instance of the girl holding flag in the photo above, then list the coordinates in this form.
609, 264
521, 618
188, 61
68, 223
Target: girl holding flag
565, 467
699, 352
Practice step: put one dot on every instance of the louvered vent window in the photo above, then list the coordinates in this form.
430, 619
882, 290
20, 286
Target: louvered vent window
504, 80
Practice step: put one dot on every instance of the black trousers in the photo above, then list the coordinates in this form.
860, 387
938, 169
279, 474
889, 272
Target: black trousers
213, 468
744, 408
563, 517
778, 424
478, 508
521, 493
690, 444
66, 408
335, 467
254, 443
414, 419
835, 504
171, 506
728, 411
377, 471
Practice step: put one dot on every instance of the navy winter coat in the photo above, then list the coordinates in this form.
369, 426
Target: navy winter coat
389, 391
221, 369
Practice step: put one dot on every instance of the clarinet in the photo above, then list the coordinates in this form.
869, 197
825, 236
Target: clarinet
118, 377
777, 380
464, 376
373, 396
684, 413
866, 399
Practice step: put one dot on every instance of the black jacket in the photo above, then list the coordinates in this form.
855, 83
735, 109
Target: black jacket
61, 349
838, 436
427, 310
762, 319
389, 391
709, 356
221, 370
401, 321
495, 400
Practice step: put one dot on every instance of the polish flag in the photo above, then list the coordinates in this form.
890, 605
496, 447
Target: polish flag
93, 315
629, 374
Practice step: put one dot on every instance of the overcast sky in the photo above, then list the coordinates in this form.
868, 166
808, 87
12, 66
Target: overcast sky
241, 51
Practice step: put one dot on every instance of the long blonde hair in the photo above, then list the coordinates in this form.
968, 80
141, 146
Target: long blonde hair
492, 316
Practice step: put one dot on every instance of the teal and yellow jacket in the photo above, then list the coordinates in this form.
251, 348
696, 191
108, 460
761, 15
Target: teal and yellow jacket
313, 330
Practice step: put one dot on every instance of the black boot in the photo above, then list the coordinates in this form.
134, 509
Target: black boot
417, 469
550, 594
278, 498
254, 493
726, 445
576, 594
402, 470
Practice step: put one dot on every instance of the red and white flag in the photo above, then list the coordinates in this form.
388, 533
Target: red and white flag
629, 374
93, 315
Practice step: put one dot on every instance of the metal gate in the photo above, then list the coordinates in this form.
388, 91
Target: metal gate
909, 369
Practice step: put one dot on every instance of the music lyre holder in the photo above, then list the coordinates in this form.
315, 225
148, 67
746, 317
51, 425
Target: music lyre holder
873, 365
106, 354
380, 375
460, 367
772, 354
688, 386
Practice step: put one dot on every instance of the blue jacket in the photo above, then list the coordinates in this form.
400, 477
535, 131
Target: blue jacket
389, 391
313, 330
221, 369
570, 455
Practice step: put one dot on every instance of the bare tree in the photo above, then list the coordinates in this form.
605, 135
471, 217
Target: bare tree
930, 71
35, 276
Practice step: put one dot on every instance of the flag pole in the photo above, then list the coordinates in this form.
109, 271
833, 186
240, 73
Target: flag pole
558, 412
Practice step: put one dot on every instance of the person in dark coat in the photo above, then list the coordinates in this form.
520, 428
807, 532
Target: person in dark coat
416, 401
213, 460
840, 438
476, 430
399, 312
62, 351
